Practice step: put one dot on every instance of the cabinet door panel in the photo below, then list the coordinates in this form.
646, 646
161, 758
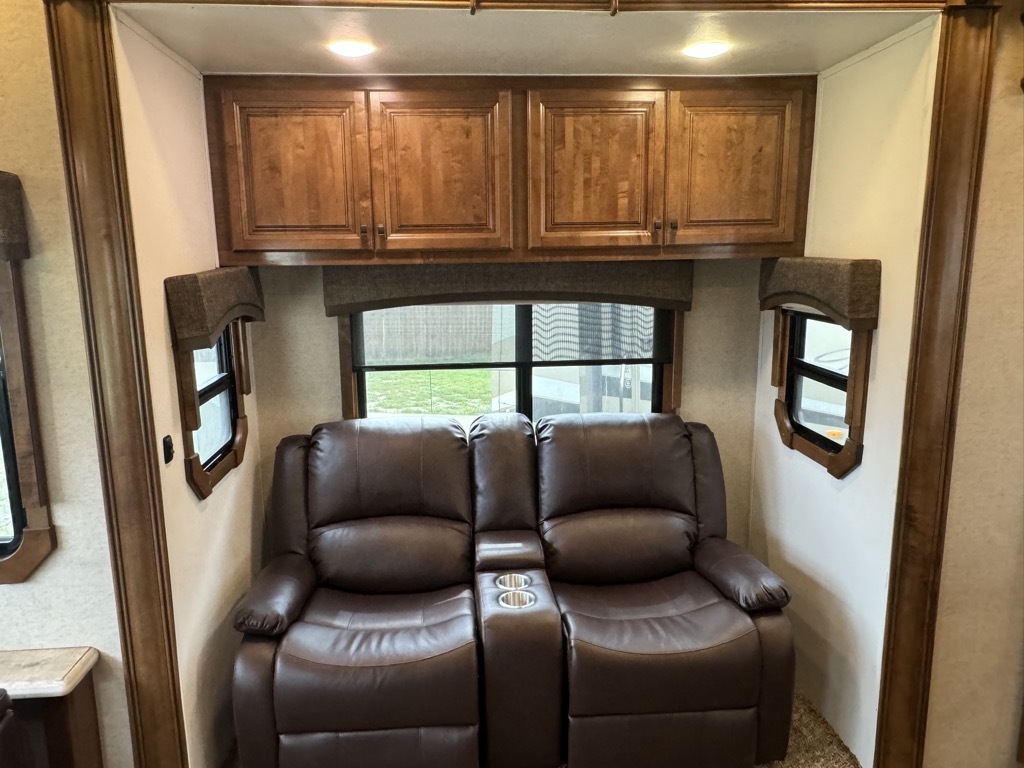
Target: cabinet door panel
597, 163
441, 169
298, 170
733, 166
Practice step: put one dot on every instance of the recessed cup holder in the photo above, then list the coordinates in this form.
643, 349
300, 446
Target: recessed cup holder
516, 598
513, 581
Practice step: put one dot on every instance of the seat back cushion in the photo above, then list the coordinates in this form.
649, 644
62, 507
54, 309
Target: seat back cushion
389, 504
504, 451
616, 496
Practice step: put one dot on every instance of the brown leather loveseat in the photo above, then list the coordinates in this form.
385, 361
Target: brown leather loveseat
378, 635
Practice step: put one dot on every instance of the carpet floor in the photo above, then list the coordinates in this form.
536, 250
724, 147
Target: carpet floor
813, 743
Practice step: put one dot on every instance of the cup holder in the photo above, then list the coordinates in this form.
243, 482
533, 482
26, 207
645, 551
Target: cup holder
516, 598
513, 581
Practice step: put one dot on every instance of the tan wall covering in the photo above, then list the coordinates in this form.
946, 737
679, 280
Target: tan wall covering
70, 599
209, 542
295, 359
974, 711
720, 372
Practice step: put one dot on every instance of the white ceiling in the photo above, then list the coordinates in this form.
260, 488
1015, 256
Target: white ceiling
268, 39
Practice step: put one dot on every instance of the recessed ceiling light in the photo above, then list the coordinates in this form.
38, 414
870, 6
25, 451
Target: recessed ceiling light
351, 48
706, 50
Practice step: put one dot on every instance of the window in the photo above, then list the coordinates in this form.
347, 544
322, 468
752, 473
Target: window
218, 402
468, 359
819, 364
12, 514
214, 427
27, 536
208, 312
821, 371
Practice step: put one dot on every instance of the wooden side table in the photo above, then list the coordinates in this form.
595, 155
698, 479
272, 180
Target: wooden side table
53, 687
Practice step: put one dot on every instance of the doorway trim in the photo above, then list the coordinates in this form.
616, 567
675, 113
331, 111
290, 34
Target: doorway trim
89, 119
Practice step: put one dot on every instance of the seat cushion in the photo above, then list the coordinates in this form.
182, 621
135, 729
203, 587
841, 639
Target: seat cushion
671, 645
373, 662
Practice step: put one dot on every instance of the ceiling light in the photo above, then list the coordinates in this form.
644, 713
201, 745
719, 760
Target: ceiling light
351, 48
706, 50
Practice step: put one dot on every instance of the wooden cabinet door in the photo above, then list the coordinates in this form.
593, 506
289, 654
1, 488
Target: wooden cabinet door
441, 169
298, 169
597, 161
733, 171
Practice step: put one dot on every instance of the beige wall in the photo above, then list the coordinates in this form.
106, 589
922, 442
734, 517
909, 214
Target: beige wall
70, 599
209, 542
978, 667
295, 360
832, 539
720, 346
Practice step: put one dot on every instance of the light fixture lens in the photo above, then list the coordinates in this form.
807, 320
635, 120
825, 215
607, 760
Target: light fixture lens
351, 48
706, 50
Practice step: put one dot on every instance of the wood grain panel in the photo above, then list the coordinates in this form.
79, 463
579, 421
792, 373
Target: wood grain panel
597, 162
89, 118
734, 166
441, 169
298, 165
963, 86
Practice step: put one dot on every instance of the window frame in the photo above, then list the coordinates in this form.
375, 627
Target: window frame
664, 372
839, 459
36, 537
232, 348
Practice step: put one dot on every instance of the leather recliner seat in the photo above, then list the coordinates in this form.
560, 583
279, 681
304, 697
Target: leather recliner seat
360, 641
677, 650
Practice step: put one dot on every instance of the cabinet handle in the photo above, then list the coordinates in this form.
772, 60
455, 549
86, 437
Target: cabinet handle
363, 229
381, 231
674, 224
657, 225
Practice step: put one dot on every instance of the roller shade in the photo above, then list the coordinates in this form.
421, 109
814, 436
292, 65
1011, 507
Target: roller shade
661, 284
202, 304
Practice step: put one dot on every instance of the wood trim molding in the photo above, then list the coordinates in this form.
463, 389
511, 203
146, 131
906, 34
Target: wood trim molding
90, 128
961, 104
89, 120
474, 6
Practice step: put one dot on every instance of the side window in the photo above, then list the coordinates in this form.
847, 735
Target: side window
12, 514
26, 534
218, 402
207, 312
818, 379
821, 371
467, 359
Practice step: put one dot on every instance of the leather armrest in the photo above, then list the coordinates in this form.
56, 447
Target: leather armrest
739, 575
277, 597
521, 654
508, 551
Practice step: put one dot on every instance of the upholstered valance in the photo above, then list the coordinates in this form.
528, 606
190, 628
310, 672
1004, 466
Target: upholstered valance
845, 290
13, 228
202, 304
662, 284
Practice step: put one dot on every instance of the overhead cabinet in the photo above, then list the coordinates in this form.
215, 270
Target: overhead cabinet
597, 167
491, 169
297, 167
441, 169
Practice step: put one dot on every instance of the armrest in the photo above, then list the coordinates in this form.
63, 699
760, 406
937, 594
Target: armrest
276, 597
508, 551
739, 575
521, 658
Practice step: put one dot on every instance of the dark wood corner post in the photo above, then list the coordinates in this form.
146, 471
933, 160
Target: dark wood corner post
89, 118
958, 134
